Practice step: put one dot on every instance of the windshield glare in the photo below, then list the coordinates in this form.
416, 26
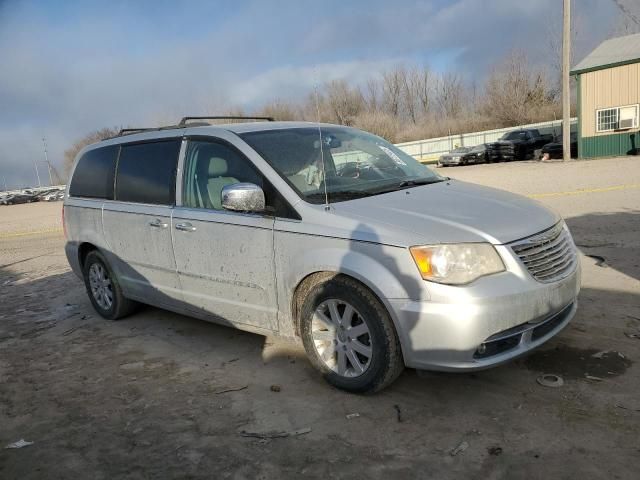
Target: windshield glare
357, 163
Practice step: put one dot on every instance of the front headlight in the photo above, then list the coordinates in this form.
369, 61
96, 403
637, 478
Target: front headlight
456, 264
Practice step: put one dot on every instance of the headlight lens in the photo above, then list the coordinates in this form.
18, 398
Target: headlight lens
456, 264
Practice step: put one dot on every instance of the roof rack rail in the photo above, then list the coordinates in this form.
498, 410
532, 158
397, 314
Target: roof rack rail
184, 120
183, 124
128, 131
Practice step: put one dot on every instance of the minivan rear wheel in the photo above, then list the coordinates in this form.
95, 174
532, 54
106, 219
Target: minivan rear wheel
104, 289
349, 337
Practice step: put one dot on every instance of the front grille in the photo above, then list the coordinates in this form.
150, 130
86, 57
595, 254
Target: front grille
549, 256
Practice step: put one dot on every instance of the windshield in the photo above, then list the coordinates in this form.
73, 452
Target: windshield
357, 164
478, 148
515, 136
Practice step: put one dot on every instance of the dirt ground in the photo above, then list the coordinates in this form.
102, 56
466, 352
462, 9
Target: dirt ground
158, 395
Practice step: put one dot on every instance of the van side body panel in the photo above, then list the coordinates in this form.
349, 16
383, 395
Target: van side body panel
83, 224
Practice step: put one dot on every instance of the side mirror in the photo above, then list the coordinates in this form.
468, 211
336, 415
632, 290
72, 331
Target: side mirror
243, 197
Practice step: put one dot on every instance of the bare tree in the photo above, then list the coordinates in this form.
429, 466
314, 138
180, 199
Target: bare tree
344, 101
449, 94
392, 90
516, 93
315, 108
380, 123
423, 85
411, 102
409, 93
372, 95
280, 110
93, 137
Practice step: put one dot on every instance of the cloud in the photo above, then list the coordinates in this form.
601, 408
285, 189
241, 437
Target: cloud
71, 68
296, 82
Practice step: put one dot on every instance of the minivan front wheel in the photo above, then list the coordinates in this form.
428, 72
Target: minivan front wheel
104, 289
349, 337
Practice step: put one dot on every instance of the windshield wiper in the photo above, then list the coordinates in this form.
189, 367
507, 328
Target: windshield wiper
410, 183
419, 181
341, 195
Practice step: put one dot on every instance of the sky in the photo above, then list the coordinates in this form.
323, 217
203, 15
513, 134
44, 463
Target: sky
67, 68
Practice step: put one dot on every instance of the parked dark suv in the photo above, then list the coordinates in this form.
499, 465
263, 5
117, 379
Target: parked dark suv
518, 145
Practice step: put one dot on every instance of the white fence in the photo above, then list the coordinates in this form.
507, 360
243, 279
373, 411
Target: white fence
432, 148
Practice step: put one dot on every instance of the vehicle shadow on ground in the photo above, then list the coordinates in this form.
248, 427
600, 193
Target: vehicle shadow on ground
592, 235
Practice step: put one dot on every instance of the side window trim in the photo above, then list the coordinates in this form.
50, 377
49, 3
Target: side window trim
180, 172
115, 172
221, 141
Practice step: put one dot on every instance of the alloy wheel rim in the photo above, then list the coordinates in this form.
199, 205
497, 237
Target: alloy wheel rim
341, 338
101, 287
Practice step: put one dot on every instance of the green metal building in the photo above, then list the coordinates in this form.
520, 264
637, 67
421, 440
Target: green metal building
608, 83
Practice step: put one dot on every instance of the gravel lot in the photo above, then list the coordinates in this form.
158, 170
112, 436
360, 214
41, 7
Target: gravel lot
161, 395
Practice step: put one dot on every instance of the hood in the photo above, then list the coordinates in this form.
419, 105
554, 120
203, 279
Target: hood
505, 142
451, 211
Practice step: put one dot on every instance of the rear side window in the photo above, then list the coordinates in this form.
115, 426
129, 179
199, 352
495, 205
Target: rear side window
147, 172
93, 176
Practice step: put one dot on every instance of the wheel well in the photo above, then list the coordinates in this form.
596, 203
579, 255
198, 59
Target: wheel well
311, 281
83, 251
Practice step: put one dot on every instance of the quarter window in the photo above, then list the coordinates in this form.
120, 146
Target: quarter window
93, 176
147, 172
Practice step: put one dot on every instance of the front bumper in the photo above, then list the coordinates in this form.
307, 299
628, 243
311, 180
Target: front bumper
509, 313
501, 155
450, 161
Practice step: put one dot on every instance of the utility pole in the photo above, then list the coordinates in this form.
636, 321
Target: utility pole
4, 179
35, 164
46, 159
566, 94
50, 176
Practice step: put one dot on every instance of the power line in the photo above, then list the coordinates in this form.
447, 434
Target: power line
624, 10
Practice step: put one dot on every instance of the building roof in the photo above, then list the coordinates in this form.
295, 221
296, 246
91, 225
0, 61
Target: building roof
611, 53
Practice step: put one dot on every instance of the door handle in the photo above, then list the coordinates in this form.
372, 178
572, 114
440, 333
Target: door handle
185, 227
158, 224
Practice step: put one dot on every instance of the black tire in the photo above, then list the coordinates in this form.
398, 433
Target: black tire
120, 306
386, 362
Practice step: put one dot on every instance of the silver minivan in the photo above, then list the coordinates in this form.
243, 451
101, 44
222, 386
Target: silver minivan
323, 233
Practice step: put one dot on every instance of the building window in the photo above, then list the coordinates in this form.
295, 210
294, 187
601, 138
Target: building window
608, 119
618, 118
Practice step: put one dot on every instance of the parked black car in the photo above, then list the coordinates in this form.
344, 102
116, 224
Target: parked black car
16, 198
554, 149
518, 145
464, 156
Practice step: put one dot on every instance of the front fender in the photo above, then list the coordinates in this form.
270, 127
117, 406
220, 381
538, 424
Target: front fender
388, 271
